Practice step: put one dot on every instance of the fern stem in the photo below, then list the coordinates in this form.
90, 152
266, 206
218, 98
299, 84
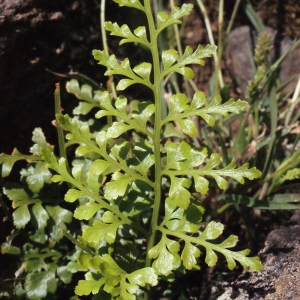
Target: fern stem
60, 133
110, 84
157, 126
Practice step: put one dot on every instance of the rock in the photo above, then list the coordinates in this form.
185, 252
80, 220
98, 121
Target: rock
280, 277
240, 48
291, 65
238, 52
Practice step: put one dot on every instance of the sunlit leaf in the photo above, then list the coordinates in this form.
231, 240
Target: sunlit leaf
169, 57
61, 217
176, 154
190, 57
121, 150
142, 34
118, 186
201, 184
186, 72
121, 104
211, 257
164, 259
114, 67
40, 215
143, 70
8, 161
99, 166
212, 231
90, 285
123, 31
19, 197
252, 263
95, 233
188, 127
230, 242
21, 216
86, 212
64, 274
146, 110
36, 176
90, 98
178, 104
179, 191
39, 139
199, 99
72, 195
130, 3
189, 255
59, 214
172, 131
124, 84
117, 129
37, 284
143, 276
164, 20
83, 108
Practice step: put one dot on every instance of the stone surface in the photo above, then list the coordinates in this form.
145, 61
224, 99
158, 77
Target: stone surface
238, 54
291, 66
280, 278
240, 48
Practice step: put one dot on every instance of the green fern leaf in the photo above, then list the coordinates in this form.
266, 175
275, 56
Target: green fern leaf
114, 67
130, 3
91, 99
124, 32
164, 20
91, 284
164, 254
8, 161
179, 110
86, 212
189, 57
108, 229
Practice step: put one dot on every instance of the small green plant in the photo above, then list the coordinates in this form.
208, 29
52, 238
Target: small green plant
129, 204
